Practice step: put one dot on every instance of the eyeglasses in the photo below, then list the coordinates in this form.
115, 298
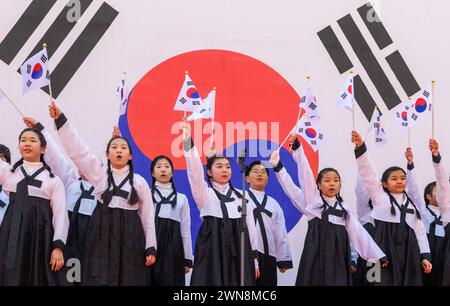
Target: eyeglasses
258, 172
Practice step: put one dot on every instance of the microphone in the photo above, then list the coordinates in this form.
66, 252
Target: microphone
242, 156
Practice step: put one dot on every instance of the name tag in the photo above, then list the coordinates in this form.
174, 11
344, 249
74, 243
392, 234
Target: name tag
440, 231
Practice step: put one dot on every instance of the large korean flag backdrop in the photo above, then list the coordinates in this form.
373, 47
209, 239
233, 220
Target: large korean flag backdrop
257, 53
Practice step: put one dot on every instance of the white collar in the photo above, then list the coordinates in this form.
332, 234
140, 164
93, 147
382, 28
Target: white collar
257, 192
222, 188
434, 209
162, 186
330, 201
32, 164
124, 170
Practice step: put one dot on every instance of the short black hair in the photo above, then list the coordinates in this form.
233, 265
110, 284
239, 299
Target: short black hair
4, 150
253, 164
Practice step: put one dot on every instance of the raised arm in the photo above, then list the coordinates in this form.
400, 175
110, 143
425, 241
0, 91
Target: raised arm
367, 171
195, 172
87, 162
305, 174
293, 192
442, 181
412, 185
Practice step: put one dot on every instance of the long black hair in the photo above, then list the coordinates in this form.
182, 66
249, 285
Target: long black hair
107, 194
428, 191
339, 198
43, 145
209, 164
4, 150
152, 169
384, 179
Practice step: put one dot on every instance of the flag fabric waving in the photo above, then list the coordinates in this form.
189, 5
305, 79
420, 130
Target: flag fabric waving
35, 72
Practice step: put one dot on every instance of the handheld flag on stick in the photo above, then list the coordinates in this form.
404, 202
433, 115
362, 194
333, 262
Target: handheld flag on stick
308, 128
433, 90
345, 99
122, 94
189, 99
35, 72
421, 106
207, 108
309, 102
377, 129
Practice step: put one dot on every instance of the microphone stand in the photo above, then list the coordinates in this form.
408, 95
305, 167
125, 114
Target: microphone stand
243, 227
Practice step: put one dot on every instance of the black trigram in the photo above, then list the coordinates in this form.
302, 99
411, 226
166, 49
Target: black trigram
182, 100
190, 83
44, 58
426, 93
29, 69
29, 83
312, 106
58, 31
307, 123
368, 60
344, 95
195, 102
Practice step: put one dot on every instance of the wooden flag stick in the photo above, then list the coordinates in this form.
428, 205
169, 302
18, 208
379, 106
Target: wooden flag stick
433, 106
353, 102
409, 129
44, 46
212, 121
12, 103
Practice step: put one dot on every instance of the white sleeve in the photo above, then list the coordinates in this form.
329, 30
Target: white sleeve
87, 162
294, 193
362, 199
362, 241
252, 231
5, 171
369, 177
60, 218
147, 218
185, 225
283, 249
56, 159
414, 192
196, 176
305, 176
442, 188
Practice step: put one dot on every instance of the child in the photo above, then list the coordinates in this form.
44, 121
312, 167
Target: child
120, 239
217, 249
34, 229
431, 217
273, 247
326, 257
399, 229
173, 227
80, 198
442, 194
5, 155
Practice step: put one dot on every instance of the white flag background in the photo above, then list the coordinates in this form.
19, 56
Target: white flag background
148, 33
